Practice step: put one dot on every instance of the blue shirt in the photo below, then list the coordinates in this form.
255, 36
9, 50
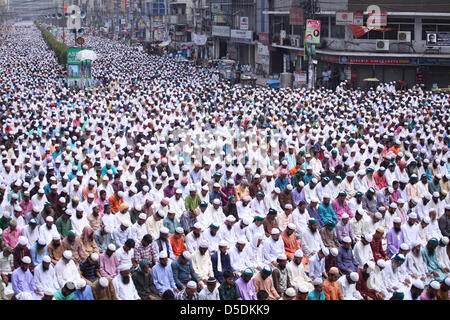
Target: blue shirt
279, 183
105, 170
313, 295
182, 273
171, 224
120, 236
327, 213
163, 277
86, 294
37, 257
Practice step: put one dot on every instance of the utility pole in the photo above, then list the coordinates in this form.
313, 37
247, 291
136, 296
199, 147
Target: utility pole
310, 13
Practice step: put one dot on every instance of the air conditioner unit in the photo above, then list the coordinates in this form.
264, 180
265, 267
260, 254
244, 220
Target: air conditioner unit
382, 45
404, 36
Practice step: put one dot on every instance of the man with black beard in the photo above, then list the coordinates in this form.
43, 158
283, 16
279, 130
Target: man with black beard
45, 276
226, 232
143, 281
193, 238
415, 291
125, 288
394, 237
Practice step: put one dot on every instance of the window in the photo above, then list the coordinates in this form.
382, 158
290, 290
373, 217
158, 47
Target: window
393, 34
324, 22
337, 31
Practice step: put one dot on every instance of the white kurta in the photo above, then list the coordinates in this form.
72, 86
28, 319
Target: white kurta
65, 272
78, 224
272, 248
362, 253
45, 279
348, 290
202, 265
125, 291
311, 242
297, 276
239, 259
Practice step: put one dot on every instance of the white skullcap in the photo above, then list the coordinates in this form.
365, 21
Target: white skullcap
164, 230
413, 215
298, 254
334, 252
94, 256
317, 281
246, 221
103, 282
292, 226
288, 206
186, 255
404, 246
142, 216
179, 230
124, 267
378, 215
223, 243
242, 240
289, 187
435, 285
368, 237
26, 259
354, 276
197, 225
418, 284
397, 220
231, 218
216, 201
49, 219
67, 254
47, 259
290, 292
163, 254
325, 251
445, 240
80, 283
303, 289
281, 256
447, 281
347, 239
191, 284
112, 247
22, 240
204, 244
24, 295
381, 263
275, 231
345, 216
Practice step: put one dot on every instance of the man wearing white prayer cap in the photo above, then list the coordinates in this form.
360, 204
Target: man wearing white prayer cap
189, 292
431, 292
296, 272
103, 289
45, 276
347, 284
201, 262
302, 292
183, 271
415, 291
22, 279
273, 247
123, 284
66, 269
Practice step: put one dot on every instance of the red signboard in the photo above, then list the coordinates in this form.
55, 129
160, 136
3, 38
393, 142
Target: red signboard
296, 16
331, 59
263, 37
